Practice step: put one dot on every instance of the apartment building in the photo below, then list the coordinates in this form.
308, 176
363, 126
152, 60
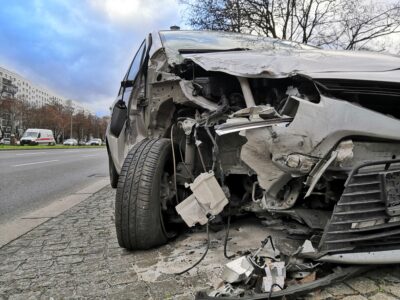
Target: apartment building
25, 90
14, 86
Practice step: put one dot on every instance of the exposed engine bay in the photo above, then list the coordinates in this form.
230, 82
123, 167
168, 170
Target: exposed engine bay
306, 140
283, 148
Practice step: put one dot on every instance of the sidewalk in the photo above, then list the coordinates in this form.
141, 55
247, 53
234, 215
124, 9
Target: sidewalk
76, 255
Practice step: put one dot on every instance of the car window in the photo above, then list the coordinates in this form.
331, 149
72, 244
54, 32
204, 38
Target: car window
134, 70
137, 62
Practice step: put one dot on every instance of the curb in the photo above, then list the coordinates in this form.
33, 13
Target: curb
12, 230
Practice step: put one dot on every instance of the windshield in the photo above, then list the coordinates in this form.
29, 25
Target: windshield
30, 134
182, 41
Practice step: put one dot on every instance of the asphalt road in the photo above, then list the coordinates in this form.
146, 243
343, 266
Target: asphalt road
32, 179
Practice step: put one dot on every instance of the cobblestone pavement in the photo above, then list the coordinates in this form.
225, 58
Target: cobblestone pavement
76, 255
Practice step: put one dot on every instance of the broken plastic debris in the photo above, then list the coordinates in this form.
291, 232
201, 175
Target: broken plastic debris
237, 270
209, 193
208, 198
345, 151
307, 248
191, 211
275, 275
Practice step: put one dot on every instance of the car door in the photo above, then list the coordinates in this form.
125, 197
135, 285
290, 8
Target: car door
122, 133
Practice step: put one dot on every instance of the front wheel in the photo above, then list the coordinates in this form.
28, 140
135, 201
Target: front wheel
142, 197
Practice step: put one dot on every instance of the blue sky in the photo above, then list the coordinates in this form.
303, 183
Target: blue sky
79, 49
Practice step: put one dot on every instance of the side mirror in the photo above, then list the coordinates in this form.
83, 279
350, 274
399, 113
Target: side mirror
127, 83
118, 118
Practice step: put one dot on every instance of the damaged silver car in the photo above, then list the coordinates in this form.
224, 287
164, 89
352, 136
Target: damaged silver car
211, 124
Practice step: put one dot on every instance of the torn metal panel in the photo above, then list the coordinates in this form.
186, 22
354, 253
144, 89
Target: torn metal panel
188, 91
247, 93
318, 171
317, 127
370, 257
256, 154
247, 125
281, 63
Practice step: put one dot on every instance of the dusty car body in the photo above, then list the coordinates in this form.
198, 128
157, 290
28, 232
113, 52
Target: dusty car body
307, 139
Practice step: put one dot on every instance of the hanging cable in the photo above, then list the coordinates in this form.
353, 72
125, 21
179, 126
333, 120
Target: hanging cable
270, 291
197, 143
174, 163
228, 225
183, 160
202, 257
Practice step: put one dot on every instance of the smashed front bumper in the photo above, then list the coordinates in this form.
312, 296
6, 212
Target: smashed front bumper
365, 225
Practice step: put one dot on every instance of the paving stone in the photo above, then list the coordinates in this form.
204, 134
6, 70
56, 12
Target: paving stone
129, 292
363, 285
385, 274
36, 264
25, 296
393, 289
52, 247
8, 267
356, 297
341, 290
164, 289
382, 296
76, 256
59, 293
122, 278
319, 295
72, 259
184, 296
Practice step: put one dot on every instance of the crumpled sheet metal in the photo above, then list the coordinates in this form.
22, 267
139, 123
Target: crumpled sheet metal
314, 63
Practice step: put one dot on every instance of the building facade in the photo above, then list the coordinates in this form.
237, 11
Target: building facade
14, 86
26, 90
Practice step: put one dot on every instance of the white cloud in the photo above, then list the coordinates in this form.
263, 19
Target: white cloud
143, 13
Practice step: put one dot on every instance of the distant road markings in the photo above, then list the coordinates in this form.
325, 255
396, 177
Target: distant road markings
30, 153
90, 155
35, 163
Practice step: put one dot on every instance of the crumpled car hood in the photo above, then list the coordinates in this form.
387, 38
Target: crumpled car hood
283, 63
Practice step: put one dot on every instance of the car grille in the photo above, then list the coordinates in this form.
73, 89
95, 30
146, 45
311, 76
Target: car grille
367, 216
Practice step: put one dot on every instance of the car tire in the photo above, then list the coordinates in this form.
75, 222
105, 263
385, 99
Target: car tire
138, 216
113, 173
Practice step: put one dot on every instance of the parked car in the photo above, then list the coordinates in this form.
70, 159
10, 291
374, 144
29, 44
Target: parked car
304, 137
81, 142
70, 142
94, 142
33, 136
5, 141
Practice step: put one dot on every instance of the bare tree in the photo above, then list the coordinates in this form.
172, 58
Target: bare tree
346, 24
363, 22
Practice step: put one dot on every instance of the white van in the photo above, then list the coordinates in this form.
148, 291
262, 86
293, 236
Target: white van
37, 137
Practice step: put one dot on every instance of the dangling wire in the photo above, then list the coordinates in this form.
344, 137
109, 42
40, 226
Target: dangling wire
227, 234
197, 142
270, 291
174, 163
202, 257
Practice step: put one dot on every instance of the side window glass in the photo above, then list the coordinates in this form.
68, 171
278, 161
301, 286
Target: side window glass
136, 63
134, 69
